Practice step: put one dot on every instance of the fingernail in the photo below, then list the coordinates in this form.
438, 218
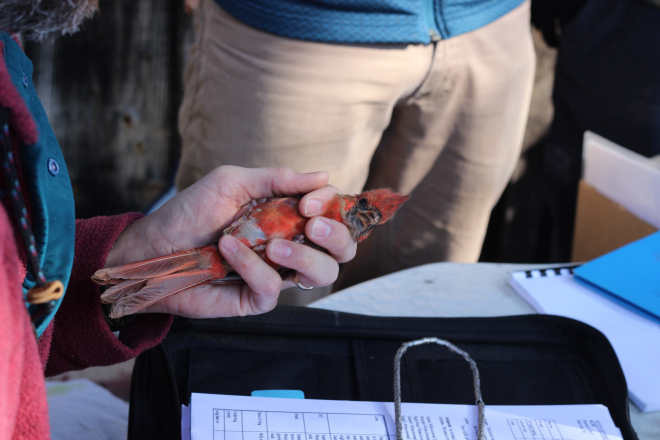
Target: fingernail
321, 229
281, 249
312, 207
229, 244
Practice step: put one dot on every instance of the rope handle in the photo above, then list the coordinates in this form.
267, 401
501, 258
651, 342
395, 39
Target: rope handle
397, 382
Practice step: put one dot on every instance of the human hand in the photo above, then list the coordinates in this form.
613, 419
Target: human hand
197, 216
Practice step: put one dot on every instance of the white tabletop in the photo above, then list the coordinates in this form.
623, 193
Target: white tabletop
452, 290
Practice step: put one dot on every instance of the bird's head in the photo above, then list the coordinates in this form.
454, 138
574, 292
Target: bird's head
362, 213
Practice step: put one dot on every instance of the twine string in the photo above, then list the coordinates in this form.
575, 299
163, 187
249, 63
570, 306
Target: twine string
455, 349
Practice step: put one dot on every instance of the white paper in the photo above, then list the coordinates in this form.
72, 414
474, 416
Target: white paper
623, 176
219, 417
185, 422
635, 339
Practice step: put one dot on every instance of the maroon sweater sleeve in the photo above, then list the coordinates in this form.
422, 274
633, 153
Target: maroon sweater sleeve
79, 336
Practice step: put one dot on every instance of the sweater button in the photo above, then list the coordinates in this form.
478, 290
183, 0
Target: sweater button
25, 81
53, 167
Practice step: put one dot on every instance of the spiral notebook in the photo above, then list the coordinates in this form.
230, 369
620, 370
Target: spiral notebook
635, 339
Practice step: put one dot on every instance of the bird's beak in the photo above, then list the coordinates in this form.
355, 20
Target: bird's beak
368, 218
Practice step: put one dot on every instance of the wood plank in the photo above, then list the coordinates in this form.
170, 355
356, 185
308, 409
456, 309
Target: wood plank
112, 93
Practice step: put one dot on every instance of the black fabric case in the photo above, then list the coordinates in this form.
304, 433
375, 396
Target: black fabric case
522, 360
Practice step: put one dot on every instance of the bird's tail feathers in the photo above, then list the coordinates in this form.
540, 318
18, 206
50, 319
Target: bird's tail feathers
122, 289
155, 267
140, 284
157, 289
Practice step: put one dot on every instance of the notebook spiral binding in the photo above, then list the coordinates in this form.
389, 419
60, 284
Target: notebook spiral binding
560, 270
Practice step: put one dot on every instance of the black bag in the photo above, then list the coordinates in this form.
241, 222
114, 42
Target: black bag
522, 360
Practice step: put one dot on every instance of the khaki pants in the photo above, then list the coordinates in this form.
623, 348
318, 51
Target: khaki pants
442, 122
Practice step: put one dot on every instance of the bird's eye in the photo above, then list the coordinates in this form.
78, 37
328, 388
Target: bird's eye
363, 201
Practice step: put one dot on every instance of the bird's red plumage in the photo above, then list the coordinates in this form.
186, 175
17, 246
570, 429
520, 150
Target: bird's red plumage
279, 218
275, 218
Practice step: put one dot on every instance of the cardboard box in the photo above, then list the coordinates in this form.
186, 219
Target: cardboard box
602, 225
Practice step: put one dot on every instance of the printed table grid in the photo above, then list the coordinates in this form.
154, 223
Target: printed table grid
233, 424
534, 429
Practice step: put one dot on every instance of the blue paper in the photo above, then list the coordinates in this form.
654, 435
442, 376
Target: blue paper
630, 273
282, 394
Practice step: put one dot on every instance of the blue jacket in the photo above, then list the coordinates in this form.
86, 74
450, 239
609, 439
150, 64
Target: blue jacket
368, 21
47, 182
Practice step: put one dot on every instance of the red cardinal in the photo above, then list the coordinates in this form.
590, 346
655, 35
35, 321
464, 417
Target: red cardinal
140, 284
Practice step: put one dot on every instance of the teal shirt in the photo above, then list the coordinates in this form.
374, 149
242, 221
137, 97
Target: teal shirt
368, 21
49, 193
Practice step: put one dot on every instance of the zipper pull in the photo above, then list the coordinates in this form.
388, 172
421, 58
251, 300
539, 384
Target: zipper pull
434, 36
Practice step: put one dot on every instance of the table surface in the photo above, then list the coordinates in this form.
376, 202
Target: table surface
453, 290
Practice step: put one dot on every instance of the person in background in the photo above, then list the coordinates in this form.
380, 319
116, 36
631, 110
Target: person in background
607, 80
428, 98
51, 319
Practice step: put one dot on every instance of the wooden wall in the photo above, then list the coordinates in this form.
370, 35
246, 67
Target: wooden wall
112, 93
